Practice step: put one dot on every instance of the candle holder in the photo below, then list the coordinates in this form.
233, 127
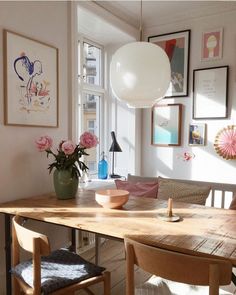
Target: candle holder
169, 216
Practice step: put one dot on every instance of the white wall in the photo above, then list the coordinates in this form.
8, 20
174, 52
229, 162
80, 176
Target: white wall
206, 165
23, 171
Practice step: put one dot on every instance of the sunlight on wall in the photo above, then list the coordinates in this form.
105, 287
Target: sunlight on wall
126, 139
166, 158
209, 166
214, 108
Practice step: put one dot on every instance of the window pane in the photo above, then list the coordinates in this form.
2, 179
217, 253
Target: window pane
90, 110
91, 165
92, 64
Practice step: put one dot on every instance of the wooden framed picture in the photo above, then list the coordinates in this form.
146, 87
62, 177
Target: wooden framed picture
30, 81
210, 93
212, 41
176, 46
197, 134
166, 125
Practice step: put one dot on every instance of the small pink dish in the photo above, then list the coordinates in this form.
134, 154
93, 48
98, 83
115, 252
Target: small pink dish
112, 198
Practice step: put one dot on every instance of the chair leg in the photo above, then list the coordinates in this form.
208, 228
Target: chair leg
107, 283
16, 287
89, 292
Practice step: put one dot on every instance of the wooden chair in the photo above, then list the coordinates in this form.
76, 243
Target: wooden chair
38, 245
177, 267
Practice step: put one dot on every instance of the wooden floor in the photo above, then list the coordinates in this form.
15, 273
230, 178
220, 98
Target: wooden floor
113, 258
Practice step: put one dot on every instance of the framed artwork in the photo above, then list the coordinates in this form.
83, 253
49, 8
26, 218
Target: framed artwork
30, 82
212, 44
166, 125
210, 93
197, 134
176, 46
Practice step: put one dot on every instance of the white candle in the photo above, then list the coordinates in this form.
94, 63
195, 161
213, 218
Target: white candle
169, 210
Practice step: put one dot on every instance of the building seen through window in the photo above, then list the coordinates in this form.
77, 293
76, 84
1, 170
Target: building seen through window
92, 64
91, 95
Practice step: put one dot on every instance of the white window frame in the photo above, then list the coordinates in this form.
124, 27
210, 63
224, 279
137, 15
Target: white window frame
86, 88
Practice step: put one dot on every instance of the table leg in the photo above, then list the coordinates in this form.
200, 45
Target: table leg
73, 239
8, 253
97, 249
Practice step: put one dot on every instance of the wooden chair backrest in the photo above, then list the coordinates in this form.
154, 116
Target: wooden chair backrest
175, 266
33, 242
26, 238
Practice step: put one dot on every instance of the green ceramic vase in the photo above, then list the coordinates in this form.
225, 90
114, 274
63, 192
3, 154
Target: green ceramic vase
65, 184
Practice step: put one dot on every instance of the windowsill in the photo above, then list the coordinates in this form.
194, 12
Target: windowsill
96, 183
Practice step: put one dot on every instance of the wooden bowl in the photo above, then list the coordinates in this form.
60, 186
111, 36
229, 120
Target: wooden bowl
111, 198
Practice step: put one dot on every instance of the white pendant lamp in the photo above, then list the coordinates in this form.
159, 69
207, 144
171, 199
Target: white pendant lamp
140, 73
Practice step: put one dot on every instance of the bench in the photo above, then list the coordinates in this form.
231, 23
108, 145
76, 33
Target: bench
220, 196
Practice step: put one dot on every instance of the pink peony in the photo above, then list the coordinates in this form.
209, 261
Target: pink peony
44, 143
88, 140
68, 147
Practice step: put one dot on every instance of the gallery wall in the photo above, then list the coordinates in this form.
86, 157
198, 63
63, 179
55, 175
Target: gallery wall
23, 171
206, 164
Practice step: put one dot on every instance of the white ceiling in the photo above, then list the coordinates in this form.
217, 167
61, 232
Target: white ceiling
163, 12
97, 25
94, 17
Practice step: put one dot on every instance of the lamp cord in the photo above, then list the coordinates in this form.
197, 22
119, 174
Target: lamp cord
141, 20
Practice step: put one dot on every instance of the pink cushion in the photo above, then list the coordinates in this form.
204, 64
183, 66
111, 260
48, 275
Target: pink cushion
139, 189
233, 203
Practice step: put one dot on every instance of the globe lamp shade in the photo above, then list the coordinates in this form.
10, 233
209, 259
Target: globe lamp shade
140, 74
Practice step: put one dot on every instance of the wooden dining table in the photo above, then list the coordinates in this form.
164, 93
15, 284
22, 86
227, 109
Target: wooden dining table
201, 230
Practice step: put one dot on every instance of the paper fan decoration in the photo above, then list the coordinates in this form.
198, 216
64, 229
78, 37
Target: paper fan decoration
225, 142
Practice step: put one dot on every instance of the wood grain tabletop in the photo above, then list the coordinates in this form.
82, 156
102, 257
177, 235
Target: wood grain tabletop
201, 230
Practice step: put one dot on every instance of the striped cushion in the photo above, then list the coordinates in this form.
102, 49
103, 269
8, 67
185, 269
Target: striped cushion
182, 191
60, 269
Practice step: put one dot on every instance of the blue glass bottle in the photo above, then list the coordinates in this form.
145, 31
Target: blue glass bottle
102, 167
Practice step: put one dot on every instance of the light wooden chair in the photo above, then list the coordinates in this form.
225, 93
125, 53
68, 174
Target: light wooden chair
177, 267
38, 245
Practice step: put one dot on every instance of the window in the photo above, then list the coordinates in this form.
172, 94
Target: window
92, 165
92, 64
91, 126
91, 95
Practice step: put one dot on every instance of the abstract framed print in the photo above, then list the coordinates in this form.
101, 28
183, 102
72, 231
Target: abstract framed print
30, 81
166, 125
177, 46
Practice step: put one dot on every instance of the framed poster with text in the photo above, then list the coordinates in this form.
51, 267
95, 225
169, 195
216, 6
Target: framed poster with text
210, 93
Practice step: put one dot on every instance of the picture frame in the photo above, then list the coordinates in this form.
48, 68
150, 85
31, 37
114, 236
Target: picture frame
166, 125
210, 93
177, 47
212, 41
30, 81
197, 134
